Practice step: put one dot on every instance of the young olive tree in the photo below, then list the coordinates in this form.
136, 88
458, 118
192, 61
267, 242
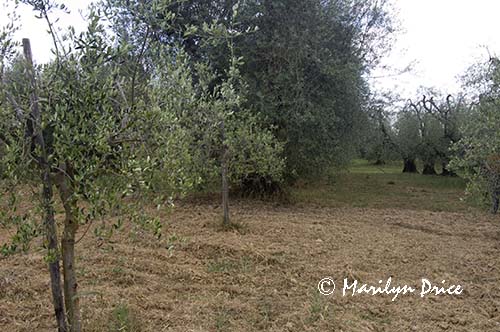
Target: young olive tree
231, 140
240, 146
82, 137
227, 134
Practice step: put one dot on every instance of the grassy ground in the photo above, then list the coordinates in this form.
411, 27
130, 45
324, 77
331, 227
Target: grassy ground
370, 186
263, 274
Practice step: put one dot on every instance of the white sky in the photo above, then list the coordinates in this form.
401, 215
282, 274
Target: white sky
441, 37
36, 29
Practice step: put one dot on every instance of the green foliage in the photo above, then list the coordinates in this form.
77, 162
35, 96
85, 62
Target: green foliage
209, 92
26, 230
423, 129
378, 138
123, 319
304, 63
478, 152
8, 46
251, 148
408, 137
305, 70
374, 147
25, 227
104, 146
431, 133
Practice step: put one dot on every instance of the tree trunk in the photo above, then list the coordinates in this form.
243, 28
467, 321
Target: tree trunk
54, 257
225, 193
72, 303
225, 185
495, 202
409, 166
429, 169
36, 136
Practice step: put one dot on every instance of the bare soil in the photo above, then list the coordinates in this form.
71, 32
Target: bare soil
263, 274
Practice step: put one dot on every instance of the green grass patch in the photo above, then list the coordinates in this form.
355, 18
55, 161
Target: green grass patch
384, 186
243, 264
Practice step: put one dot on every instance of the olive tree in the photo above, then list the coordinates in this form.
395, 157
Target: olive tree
445, 116
229, 140
407, 140
241, 146
426, 129
81, 136
430, 146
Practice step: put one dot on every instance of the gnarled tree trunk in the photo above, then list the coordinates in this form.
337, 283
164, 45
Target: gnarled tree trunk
409, 166
429, 169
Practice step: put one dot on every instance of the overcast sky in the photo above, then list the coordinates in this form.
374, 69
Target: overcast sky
441, 37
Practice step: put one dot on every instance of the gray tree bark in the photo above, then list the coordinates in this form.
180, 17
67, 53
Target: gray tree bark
224, 171
47, 194
67, 194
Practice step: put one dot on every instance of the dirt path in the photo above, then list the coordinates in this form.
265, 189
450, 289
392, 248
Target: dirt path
263, 276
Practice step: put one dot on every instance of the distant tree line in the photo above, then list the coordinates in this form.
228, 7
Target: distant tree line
424, 129
458, 134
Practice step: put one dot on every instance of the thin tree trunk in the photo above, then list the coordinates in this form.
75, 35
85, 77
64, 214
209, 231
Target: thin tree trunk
495, 202
72, 302
47, 193
225, 193
225, 185
54, 268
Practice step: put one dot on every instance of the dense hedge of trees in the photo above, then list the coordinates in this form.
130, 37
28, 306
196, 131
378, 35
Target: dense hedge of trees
304, 63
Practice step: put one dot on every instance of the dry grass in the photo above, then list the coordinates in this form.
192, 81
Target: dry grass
263, 274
